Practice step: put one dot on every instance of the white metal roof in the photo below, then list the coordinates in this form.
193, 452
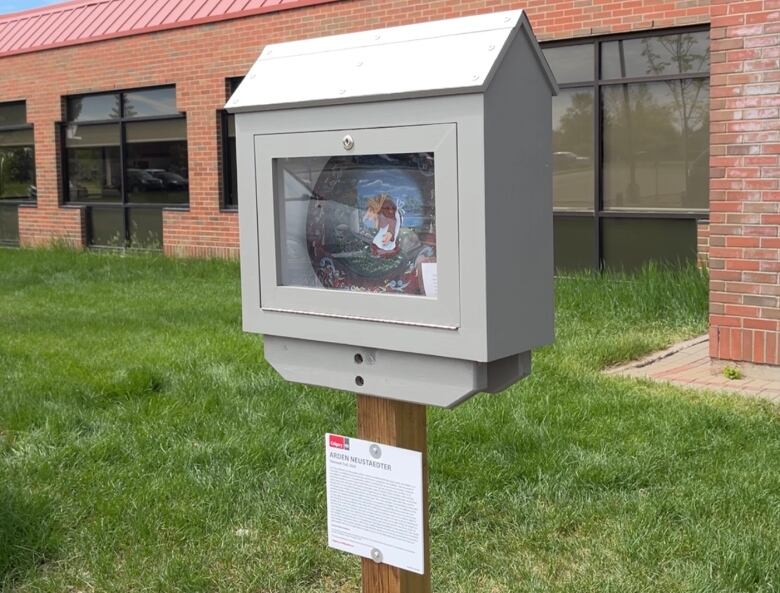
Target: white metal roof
435, 58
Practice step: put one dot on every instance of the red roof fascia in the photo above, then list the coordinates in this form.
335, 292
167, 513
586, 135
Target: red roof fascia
78, 22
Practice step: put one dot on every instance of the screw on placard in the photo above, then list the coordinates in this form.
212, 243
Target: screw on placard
348, 142
375, 451
376, 555
359, 381
358, 358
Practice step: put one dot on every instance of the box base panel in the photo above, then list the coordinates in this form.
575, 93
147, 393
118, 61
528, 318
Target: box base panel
415, 378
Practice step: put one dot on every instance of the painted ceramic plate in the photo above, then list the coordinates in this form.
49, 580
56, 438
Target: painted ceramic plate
372, 221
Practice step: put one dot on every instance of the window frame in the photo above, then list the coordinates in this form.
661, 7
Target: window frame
18, 128
15, 203
595, 84
122, 123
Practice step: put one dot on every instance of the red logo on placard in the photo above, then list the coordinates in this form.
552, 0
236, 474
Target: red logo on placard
338, 442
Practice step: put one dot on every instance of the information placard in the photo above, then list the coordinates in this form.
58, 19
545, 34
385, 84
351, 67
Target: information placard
375, 501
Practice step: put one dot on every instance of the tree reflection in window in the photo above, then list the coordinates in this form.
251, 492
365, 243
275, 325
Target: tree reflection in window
667, 55
656, 146
573, 165
630, 145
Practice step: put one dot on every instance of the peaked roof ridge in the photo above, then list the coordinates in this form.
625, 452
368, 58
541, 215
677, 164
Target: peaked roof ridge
444, 57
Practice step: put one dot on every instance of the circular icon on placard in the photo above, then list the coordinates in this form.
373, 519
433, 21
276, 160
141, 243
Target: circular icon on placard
372, 222
375, 451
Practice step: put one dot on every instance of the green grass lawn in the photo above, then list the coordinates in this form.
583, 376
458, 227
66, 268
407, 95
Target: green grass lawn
146, 446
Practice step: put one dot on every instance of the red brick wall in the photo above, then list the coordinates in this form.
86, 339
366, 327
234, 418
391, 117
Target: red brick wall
47, 222
703, 242
199, 59
744, 186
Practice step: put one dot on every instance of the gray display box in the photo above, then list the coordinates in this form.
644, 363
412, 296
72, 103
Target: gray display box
451, 122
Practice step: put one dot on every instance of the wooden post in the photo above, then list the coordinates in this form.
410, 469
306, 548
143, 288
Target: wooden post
400, 424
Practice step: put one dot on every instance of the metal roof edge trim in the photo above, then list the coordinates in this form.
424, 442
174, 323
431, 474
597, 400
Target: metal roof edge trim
464, 90
170, 26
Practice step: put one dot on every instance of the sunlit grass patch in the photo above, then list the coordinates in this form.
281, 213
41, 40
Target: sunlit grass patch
146, 445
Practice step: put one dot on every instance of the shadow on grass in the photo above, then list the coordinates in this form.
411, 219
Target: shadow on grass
26, 533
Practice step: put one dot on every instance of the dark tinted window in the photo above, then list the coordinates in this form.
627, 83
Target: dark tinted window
571, 63
133, 161
656, 145
229, 152
106, 227
9, 224
630, 243
157, 162
684, 53
145, 227
575, 246
94, 172
150, 103
94, 108
17, 165
573, 163
13, 114
643, 146
231, 199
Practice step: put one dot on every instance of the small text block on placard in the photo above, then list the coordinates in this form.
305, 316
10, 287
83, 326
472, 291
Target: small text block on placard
375, 501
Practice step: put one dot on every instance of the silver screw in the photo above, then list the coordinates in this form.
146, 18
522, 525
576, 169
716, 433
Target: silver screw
376, 555
348, 142
375, 451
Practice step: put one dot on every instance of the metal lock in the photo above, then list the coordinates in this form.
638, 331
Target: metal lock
348, 142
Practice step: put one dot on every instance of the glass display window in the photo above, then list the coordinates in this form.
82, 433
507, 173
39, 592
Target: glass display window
359, 223
353, 227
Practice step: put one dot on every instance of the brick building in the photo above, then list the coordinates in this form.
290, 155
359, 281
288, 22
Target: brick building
666, 131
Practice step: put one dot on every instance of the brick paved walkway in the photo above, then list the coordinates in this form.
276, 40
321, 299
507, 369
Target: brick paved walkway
688, 364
